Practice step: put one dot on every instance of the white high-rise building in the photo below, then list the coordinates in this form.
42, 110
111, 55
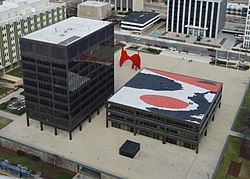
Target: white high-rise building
21, 17
246, 43
204, 18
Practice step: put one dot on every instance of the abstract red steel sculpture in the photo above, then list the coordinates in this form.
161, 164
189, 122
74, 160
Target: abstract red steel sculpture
136, 59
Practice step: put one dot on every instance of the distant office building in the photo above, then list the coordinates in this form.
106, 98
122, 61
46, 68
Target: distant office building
166, 106
139, 21
195, 17
94, 10
68, 71
21, 17
159, 6
246, 42
237, 9
125, 5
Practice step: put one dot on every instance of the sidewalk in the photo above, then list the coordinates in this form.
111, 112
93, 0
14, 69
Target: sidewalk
11, 78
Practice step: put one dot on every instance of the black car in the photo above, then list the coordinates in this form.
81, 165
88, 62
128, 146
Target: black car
166, 47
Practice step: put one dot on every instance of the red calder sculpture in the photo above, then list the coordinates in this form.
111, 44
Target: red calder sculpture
136, 59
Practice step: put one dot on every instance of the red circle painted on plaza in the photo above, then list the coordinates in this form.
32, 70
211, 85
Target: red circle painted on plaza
164, 101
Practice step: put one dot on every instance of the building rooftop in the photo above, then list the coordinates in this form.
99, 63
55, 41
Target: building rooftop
67, 31
140, 17
4, 8
236, 5
168, 94
93, 3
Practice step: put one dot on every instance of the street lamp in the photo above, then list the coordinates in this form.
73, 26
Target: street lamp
227, 57
238, 64
216, 52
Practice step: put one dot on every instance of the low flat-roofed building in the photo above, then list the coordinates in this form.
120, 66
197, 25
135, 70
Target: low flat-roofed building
237, 9
139, 20
166, 106
94, 10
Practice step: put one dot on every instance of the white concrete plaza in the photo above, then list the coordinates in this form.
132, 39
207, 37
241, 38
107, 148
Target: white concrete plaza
98, 146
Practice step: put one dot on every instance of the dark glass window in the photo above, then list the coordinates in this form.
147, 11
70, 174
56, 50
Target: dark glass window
72, 51
59, 73
83, 45
92, 40
29, 75
60, 90
44, 86
30, 83
197, 18
60, 82
44, 78
62, 107
30, 98
29, 66
57, 53
30, 91
61, 66
60, 98
46, 102
26, 46
46, 95
43, 70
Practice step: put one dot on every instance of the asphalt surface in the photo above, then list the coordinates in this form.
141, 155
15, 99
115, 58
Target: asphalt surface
181, 46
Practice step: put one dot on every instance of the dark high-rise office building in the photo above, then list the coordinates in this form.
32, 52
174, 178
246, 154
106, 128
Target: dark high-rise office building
68, 71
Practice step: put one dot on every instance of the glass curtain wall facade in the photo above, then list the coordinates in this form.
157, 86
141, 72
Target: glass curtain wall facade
65, 84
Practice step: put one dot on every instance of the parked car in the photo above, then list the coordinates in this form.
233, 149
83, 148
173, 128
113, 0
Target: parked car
211, 49
166, 47
157, 45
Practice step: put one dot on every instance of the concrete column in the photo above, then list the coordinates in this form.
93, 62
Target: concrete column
70, 135
164, 139
134, 131
127, 5
55, 130
41, 126
28, 121
98, 111
80, 127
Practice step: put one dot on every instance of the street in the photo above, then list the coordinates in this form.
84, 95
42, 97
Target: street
181, 46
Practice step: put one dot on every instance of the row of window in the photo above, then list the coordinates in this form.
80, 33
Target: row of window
154, 118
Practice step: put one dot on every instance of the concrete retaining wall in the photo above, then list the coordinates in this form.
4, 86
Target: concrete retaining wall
51, 158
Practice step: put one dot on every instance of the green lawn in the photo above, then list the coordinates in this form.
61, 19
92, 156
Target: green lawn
4, 90
47, 170
232, 154
4, 121
18, 112
151, 50
6, 81
246, 104
16, 72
